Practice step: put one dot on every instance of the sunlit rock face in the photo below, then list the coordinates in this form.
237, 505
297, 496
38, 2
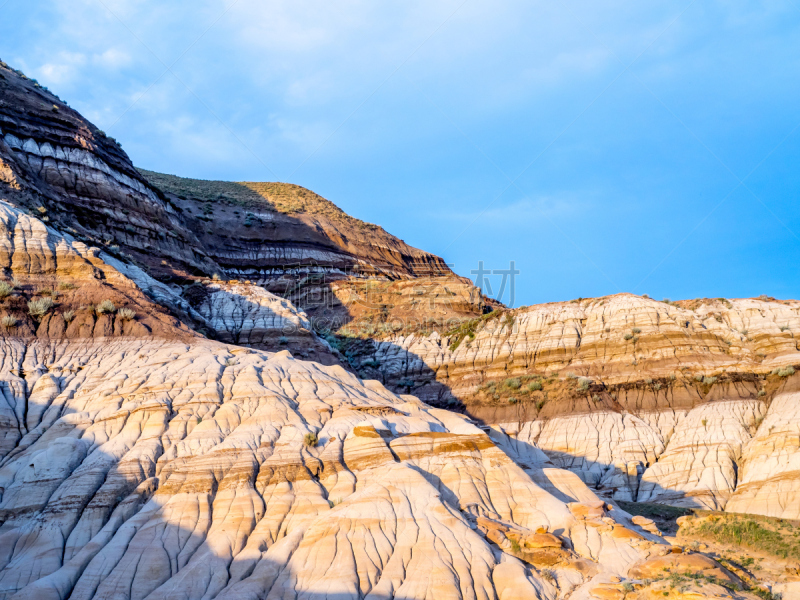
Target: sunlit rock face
769, 480
680, 403
148, 461
164, 469
54, 158
141, 459
615, 339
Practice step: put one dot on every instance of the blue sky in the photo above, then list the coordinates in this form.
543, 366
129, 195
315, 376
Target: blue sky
641, 147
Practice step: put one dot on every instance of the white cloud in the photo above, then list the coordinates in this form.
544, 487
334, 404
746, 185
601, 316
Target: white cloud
113, 58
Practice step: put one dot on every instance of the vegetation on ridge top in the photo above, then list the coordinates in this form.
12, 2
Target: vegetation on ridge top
285, 198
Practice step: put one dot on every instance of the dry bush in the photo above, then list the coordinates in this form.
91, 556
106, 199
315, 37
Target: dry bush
40, 306
106, 306
126, 314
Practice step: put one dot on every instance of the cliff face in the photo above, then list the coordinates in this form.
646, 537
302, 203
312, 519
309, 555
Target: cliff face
261, 231
140, 459
688, 404
145, 461
57, 164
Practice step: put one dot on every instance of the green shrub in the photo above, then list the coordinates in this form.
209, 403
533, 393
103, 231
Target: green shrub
535, 386
39, 307
512, 383
746, 532
709, 380
310, 439
66, 285
783, 372
627, 337
512, 400
68, 315
583, 384
106, 306
5, 289
515, 546
636, 330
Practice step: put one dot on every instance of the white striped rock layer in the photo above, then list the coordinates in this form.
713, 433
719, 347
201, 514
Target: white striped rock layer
157, 469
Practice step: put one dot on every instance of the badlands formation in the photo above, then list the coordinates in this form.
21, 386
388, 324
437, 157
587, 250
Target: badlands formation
171, 427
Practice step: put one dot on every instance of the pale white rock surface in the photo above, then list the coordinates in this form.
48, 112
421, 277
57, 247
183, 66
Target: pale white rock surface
164, 469
770, 473
699, 467
588, 337
249, 314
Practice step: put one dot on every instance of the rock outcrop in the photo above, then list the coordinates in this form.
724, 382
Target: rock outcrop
151, 446
644, 400
168, 469
55, 161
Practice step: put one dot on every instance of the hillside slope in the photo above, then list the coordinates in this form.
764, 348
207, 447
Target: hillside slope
690, 404
139, 458
57, 164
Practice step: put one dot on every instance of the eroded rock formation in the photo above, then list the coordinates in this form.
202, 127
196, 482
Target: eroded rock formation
141, 459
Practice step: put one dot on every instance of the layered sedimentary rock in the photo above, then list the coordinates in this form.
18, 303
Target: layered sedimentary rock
644, 400
140, 459
54, 160
769, 477
614, 339
260, 231
165, 469
249, 315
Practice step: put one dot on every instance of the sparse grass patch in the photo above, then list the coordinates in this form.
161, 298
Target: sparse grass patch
469, 328
126, 314
106, 306
68, 315
535, 386
5, 289
8, 321
66, 285
762, 534
548, 575
40, 306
